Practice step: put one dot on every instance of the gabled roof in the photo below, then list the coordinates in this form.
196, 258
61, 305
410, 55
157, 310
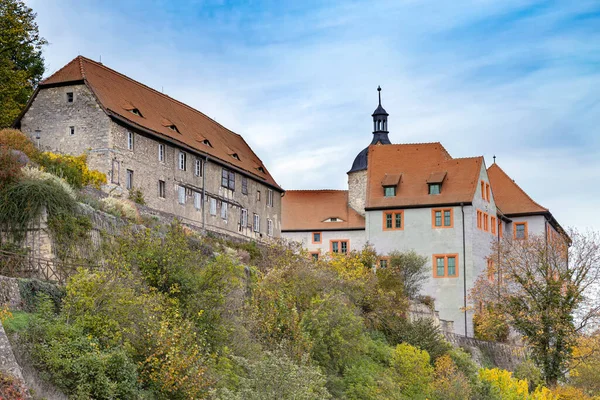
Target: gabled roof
119, 94
418, 163
509, 197
304, 210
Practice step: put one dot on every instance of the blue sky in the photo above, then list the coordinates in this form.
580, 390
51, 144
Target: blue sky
515, 79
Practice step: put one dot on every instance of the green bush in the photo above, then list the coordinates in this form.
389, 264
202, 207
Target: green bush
31, 289
421, 333
18, 322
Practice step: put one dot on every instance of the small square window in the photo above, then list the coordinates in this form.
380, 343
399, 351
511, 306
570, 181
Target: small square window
315, 256
392, 220
434, 188
520, 230
258, 195
316, 237
383, 263
71, 130
69, 97
389, 191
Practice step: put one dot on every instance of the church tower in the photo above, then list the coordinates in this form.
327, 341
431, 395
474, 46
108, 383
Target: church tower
357, 176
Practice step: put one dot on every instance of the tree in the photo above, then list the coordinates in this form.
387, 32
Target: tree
411, 269
21, 62
546, 289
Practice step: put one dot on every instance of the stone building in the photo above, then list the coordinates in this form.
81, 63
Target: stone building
182, 161
418, 197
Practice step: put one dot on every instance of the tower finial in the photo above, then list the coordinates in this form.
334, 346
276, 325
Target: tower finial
379, 90
494, 159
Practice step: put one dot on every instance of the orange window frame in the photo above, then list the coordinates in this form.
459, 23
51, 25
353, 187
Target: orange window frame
317, 253
339, 241
486, 222
312, 237
479, 224
393, 213
487, 192
515, 230
483, 190
386, 258
442, 210
493, 225
435, 257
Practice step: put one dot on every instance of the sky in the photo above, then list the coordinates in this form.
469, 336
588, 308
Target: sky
297, 79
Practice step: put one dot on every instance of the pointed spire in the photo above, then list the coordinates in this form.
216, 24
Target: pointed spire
379, 90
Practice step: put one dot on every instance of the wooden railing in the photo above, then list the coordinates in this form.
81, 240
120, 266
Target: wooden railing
25, 266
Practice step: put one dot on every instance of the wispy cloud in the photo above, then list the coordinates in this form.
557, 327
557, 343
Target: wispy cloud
517, 79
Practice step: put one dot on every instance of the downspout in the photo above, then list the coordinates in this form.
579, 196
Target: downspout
204, 192
462, 209
498, 266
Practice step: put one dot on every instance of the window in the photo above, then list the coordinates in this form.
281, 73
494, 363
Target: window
129, 140
161, 189
269, 227
491, 271
224, 210
389, 191
71, 130
486, 222
197, 200
181, 194
244, 185
383, 262
173, 128
520, 230
135, 111
434, 188
228, 179
213, 206
198, 167
493, 225
442, 218
129, 182
256, 223
161, 152
69, 97
487, 192
445, 265
244, 218
234, 155
316, 237
258, 195
269, 197
182, 161
314, 255
339, 246
483, 190
393, 220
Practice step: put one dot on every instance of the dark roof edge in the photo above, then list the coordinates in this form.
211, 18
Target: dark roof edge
193, 150
464, 203
322, 230
64, 83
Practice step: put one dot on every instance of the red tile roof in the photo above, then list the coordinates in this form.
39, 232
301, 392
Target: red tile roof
508, 196
418, 163
307, 209
118, 95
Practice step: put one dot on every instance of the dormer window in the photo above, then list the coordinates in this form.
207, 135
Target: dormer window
136, 112
206, 143
173, 128
333, 219
435, 181
261, 169
390, 184
234, 155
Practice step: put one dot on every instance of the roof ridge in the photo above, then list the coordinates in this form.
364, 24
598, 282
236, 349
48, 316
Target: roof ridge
468, 158
518, 187
62, 68
157, 92
80, 60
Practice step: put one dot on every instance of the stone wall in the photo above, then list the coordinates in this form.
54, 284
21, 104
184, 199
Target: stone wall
489, 354
357, 191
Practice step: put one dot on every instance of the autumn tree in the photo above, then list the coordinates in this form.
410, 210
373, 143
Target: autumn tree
546, 289
21, 62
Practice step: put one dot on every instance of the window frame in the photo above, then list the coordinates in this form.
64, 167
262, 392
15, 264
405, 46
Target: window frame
486, 222
162, 189
487, 192
256, 223
129, 179
198, 167
244, 218
432, 185
180, 197
493, 223
312, 237
525, 233
383, 258
224, 210
435, 257
314, 253
443, 218
130, 141
212, 206
339, 243
182, 160
269, 197
258, 195
71, 131
269, 227
197, 200
227, 179
244, 185
161, 153
483, 189
70, 97
385, 188
394, 214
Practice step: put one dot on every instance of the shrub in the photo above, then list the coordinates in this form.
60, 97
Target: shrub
33, 173
527, 370
17, 140
450, 382
11, 388
137, 196
73, 169
120, 208
10, 168
31, 290
421, 333
411, 269
413, 372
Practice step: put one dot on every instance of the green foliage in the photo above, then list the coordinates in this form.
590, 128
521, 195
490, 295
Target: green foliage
413, 371
421, 333
137, 196
32, 289
18, 322
23, 201
70, 232
411, 270
277, 376
527, 370
21, 62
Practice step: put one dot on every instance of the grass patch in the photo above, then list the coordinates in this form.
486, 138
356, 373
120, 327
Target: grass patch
18, 322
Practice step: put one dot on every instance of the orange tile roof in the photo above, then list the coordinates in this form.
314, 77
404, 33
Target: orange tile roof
119, 94
307, 209
509, 197
418, 163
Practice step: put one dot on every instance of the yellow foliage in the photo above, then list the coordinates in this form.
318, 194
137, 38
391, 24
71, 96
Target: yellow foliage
512, 388
67, 164
570, 393
5, 313
350, 266
450, 383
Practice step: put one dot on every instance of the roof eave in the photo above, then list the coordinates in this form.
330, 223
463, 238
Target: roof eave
407, 206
